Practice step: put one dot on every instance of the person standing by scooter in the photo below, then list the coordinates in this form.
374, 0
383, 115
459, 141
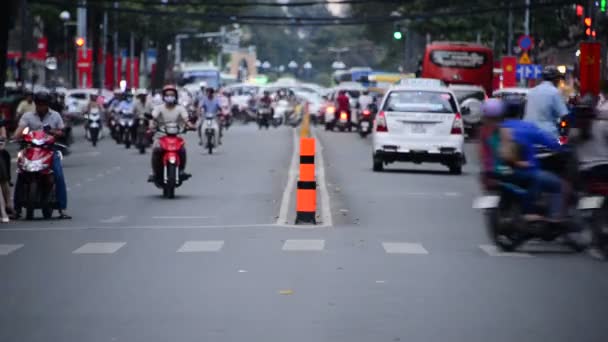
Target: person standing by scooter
51, 121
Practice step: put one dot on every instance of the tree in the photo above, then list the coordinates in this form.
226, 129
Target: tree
7, 17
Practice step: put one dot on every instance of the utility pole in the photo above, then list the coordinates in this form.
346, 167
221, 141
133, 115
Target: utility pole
104, 50
81, 19
131, 57
510, 32
220, 59
22, 59
115, 48
527, 19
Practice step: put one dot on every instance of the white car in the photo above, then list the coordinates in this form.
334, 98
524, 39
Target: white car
470, 98
419, 124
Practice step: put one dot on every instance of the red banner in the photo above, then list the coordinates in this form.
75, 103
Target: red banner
84, 65
509, 71
590, 64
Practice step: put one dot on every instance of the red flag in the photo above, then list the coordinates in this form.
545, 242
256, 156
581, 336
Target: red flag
509, 71
590, 63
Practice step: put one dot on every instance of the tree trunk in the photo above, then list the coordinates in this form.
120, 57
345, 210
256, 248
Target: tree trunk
6, 20
162, 61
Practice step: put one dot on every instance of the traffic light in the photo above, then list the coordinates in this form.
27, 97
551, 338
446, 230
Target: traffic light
80, 42
580, 10
603, 5
397, 34
588, 23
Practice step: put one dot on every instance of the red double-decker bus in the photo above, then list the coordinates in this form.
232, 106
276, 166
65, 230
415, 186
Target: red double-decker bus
459, 63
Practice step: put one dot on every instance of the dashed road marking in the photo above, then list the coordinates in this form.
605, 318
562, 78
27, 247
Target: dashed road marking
201, 246
8, 249
404, 248
99, 248
304, 245
114, 219
492, 250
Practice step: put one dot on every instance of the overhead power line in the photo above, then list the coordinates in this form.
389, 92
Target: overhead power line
308, 21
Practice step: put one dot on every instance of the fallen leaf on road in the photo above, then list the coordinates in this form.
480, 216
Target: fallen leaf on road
286, 292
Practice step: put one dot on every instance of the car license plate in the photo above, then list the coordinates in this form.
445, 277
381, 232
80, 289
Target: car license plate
418, 128
365, 125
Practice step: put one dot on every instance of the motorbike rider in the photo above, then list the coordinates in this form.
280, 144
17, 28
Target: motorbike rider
50, 121
365, 100
518, 142
545, 105
141, 106
489, 141
210, 108
169, 112
342, 104
26, 105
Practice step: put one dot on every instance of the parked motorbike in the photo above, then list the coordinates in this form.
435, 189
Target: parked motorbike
35, 187
93, 125
170, 145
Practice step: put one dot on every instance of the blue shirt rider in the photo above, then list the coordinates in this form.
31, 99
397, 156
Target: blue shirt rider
545, 105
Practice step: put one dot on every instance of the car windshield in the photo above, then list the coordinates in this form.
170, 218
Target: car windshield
420, 101
465, 94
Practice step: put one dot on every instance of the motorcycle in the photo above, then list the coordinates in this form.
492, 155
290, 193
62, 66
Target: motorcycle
114, 129
208, 128
35, 188
343, 122
595, 184
505, 205
226, 117
264, 116
143, 138
93, 125
365, 121
126, 125
329, 116
170, 144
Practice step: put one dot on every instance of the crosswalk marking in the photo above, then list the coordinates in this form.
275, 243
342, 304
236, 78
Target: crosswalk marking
8, 249
404, 248
99, 248
492, 250
201, 246
304, 245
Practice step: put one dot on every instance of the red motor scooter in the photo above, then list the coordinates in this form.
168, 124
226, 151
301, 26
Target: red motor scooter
35, 188
170, 144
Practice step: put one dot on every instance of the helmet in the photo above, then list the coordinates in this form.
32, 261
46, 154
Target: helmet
169, 87
42, 97
202, 84
141, 92
493, 108
550, 73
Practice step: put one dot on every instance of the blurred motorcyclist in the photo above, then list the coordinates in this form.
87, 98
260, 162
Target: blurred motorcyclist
169, 112
365, 100
266, 99
489, 141
545, 105
518, 146
210, 109
26, 105
343, 102
50, 121
141, 106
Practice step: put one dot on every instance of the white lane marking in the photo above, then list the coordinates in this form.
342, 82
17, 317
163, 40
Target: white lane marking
380, 281
99, 175
182, 217
89, 179
291, 181
114, 219
201, 246
404, 248
168, 227
326, 217
99, 248
492, 250
304, 245
242, 271
8, 249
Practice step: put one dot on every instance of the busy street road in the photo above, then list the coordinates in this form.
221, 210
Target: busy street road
400, 255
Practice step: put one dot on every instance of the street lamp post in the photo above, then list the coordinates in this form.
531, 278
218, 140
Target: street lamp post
68, 73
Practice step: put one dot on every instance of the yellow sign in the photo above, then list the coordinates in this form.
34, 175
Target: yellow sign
525, 59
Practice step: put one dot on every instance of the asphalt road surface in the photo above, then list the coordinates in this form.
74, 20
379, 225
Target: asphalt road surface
400, 255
